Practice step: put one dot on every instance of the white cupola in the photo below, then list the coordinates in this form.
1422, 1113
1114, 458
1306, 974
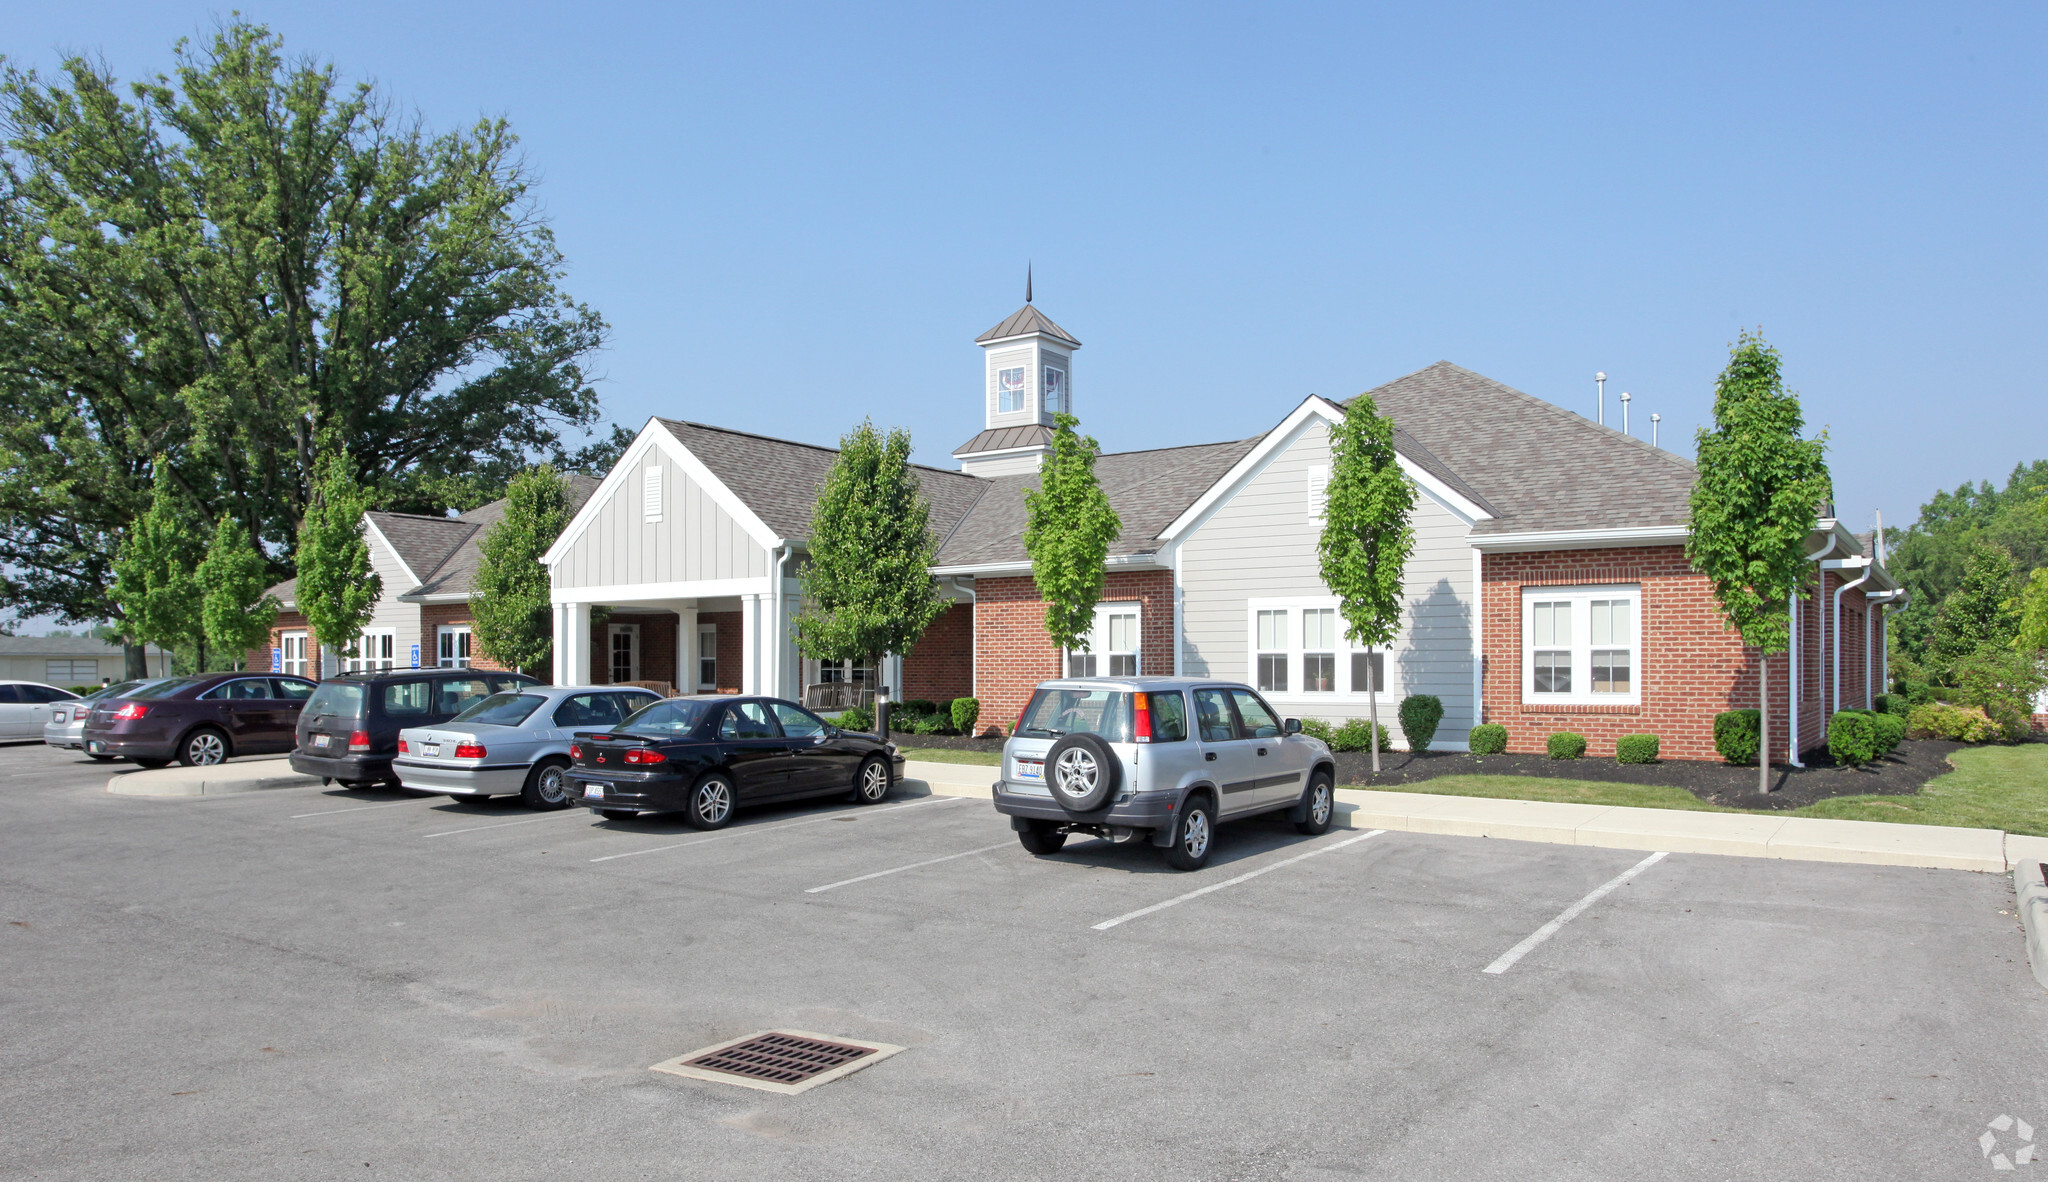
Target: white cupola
1028, 377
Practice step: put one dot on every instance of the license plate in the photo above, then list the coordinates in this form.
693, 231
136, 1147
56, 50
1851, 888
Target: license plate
95, 746
1031, 769
430, 749
57, 717
321, 740
593, 791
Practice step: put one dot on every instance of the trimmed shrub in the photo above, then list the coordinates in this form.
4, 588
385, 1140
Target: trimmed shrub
921, 724
1962, 724
1566, 745
1919, 693
917, 706
1356, 735
1316, 728
1488, 738
1738, 734
1852, 741
1890, 731
1419, 715
859, 718
966, 712
1894, 704
1636, 749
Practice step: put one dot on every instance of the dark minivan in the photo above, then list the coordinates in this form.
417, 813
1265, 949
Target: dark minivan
198, 720
349, 730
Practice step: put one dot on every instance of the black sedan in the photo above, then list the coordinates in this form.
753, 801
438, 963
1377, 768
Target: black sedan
708, 755
198, 720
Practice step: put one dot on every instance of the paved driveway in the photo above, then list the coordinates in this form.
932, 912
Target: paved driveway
309, 983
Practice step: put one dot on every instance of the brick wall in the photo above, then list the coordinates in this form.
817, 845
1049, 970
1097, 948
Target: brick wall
940, 666
434, 615
730, 668
1693, 666
259, 658
1011, 651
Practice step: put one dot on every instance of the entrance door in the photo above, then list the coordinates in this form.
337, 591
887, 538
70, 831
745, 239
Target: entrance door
625, 653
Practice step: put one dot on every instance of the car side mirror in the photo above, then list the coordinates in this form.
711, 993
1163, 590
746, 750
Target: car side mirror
1293, 726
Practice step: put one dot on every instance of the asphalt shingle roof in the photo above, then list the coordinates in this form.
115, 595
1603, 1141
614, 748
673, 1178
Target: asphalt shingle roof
1535, 465
457, 573
1026, 319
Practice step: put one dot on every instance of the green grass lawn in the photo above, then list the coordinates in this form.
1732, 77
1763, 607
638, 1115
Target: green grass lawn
1990, 788
948, 755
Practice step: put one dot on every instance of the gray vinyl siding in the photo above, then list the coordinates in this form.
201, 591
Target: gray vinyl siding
1261, 543
695, 539
390, 612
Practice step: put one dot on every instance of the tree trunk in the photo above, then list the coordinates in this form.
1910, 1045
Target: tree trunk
135, 659
1763, 749
1372, 709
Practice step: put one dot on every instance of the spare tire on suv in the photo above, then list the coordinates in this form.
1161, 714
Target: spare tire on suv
1082, 772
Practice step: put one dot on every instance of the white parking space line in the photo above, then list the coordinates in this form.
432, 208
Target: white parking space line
361, 808
1508, 958
566, 814
900, 869
1107, 924
753, 829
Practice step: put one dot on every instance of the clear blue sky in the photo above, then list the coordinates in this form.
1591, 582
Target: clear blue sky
794, 217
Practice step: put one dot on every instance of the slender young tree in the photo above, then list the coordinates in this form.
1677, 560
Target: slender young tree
511, 608
1366, 535
1070, 525
1759, 491
1982, 610
337, 590
235, 610
153, 576
868, 589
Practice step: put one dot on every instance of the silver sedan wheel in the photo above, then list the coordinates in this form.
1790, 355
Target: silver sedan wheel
1077, 772
874, 781
1194, 833
1319, 804
550, 785
714, 801
206, 748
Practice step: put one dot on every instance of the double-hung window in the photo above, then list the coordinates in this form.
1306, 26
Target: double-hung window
1272, 650
1113, 644
453, 651
1298, 648
375, 649
1581, 645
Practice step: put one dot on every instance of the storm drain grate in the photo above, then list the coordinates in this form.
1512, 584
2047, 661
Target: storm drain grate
785, 1061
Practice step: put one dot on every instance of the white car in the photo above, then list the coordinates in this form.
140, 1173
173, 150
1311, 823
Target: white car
26, 706
516, 741
66, 727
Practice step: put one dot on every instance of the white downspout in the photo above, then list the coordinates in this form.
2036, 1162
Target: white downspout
1835, 624
775, 638
1889, 601
1798, 644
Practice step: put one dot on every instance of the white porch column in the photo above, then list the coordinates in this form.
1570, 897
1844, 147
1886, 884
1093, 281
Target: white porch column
750, 644
572, 643
686, 650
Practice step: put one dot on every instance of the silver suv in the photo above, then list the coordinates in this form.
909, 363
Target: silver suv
1162, 758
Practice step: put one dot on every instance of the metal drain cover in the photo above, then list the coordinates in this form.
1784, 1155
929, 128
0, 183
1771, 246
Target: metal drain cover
785, 1061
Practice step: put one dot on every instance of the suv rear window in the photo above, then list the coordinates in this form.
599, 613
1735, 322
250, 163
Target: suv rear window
1056, 712
341, 699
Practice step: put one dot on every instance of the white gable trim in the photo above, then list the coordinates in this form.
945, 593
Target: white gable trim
656, 437
1278, 440
370, 527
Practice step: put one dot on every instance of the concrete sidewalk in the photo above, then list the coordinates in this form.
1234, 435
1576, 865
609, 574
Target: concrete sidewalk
251, 774
1750, 835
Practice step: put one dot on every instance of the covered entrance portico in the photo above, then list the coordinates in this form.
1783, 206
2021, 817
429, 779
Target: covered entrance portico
705, 637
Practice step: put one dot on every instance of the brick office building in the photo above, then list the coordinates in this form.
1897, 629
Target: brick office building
1547, 591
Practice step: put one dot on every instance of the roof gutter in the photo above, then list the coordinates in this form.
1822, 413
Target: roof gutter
1581, 539
1150, 559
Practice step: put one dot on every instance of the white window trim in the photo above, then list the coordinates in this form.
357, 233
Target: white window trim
1581, 597
707, 651
285, 660
611, 633
1345, 692
454, 660
369, 648
1098, 639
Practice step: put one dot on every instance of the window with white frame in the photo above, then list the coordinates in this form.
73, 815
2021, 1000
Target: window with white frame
1056, 391
1581, 645
376, 648
453, 643
1112, 644
707, 656
1298, 648
1010, 389
293, 654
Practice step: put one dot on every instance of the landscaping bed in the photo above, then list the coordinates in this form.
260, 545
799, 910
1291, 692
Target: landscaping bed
906, 740
1901, 773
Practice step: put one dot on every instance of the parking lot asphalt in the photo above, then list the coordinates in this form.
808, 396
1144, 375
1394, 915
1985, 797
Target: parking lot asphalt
312, 983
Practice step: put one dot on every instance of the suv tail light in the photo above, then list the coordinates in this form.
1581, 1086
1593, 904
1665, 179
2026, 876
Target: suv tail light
1141, 717
403, 749
359, 741
469, 751
644, 755
130, 711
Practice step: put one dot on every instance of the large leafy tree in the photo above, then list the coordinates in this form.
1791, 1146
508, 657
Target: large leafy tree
231, 263
1930, 557
1982, 611
337, 590
235, 610
1366, 535
154, 582
868, 588
511, 606
1069, 526
1759, 492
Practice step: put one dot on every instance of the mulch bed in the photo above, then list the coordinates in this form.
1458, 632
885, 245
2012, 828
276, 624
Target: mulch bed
1899, 774
949, 742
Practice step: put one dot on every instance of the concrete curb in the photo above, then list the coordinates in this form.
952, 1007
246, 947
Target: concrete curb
1747, 835
249, 775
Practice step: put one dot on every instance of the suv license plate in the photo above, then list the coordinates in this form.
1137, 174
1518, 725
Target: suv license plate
321, 740
1031, 769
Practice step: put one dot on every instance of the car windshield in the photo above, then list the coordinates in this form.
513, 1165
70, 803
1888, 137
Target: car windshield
500, 709
164, 689
1056, 712
342, 699
666, 719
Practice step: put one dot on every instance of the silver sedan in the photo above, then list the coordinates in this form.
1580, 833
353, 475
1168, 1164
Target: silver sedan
66, 727
517, 741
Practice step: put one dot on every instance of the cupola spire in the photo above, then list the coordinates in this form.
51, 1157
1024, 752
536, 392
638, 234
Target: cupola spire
1027, 281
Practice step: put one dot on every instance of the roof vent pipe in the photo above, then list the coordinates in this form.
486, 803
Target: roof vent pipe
1600, 383
1654, 420
1625, 396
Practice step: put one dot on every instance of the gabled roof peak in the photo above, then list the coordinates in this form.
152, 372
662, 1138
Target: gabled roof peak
1023, 322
